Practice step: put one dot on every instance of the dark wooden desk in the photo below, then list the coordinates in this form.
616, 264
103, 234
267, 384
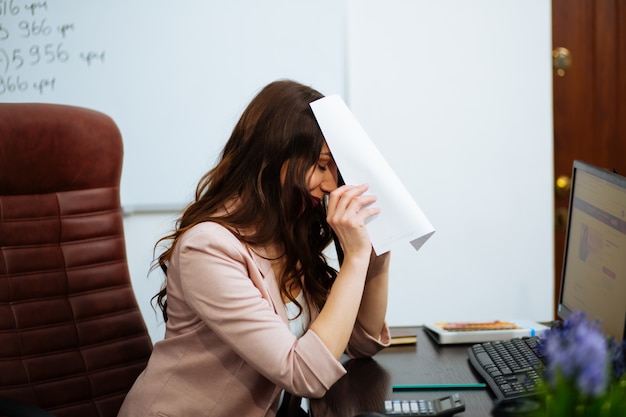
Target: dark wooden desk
369, 381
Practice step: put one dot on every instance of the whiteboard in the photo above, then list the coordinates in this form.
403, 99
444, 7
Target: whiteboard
174, 75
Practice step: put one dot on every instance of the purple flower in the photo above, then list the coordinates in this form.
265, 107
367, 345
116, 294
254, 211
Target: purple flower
577, 351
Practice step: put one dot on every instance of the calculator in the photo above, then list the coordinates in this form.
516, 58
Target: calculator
440, 407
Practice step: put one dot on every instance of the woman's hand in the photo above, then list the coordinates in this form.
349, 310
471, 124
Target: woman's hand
347, 211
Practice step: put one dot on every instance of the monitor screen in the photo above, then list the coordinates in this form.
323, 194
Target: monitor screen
594, 263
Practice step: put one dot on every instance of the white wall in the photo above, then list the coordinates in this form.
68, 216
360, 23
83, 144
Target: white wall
457, 95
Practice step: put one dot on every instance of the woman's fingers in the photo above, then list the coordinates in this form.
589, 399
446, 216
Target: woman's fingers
348, 210
349, 202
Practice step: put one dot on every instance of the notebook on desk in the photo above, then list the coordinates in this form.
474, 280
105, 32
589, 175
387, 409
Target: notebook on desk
475, 332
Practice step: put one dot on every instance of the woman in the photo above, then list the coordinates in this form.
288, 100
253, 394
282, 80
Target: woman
253, 309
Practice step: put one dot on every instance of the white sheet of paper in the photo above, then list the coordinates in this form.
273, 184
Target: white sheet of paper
359, 161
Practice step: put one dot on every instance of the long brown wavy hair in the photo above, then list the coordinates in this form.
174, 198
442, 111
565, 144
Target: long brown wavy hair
276, 130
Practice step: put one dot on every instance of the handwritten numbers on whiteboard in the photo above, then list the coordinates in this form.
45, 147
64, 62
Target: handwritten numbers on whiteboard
34, 47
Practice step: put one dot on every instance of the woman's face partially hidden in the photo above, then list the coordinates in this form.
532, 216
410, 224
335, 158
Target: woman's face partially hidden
322, 176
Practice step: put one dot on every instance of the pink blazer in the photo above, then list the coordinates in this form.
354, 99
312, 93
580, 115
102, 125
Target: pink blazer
228, 350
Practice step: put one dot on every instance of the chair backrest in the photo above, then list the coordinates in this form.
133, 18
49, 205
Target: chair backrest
72, 338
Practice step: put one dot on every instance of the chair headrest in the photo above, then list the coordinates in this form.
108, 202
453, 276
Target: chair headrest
48, 148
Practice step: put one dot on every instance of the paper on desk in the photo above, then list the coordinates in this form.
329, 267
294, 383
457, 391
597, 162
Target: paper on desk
359, 161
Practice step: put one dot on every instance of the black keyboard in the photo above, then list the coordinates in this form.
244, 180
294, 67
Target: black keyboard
511, 368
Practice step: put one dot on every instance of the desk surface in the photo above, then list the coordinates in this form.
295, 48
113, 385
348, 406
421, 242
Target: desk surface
369, 381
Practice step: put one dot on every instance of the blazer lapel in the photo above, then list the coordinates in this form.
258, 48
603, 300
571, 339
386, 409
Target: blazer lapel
271, 282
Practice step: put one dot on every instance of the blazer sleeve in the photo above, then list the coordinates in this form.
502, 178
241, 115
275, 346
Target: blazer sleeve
365, 345
222, 284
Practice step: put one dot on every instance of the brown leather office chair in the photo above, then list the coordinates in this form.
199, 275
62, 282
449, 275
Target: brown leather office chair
72, 339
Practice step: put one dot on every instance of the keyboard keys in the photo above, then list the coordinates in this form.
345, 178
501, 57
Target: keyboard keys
511, 368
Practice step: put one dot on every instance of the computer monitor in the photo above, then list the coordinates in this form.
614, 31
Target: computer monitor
594, 262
